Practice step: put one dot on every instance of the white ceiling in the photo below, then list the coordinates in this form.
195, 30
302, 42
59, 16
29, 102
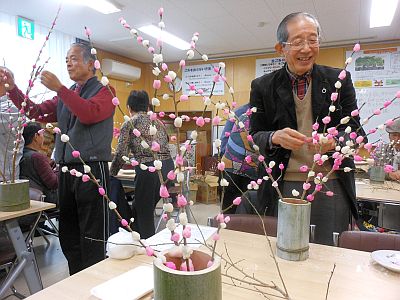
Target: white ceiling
226, 27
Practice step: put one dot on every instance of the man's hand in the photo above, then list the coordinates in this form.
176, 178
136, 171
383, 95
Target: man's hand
50, 81
6, 80
394, 175
289, 138
322, 148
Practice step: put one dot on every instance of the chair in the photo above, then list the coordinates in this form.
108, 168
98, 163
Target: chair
369, 241
36, 194
250, 224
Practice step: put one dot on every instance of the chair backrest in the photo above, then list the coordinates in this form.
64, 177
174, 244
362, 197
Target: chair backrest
369, 241
251, 224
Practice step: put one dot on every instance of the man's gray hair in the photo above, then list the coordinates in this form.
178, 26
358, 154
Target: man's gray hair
86, 53
282, 32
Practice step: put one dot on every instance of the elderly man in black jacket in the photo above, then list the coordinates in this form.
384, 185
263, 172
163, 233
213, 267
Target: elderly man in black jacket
288, 102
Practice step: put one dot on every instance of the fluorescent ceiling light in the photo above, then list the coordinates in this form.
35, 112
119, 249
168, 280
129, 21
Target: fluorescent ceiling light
382, 12
103, 6
166, 37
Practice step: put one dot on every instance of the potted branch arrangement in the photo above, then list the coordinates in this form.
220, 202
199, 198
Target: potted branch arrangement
14, 192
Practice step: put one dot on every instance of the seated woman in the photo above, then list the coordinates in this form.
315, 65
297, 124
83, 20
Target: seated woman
147, 183
393, 149
37, 167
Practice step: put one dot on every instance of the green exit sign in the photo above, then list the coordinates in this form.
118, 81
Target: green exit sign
26, 28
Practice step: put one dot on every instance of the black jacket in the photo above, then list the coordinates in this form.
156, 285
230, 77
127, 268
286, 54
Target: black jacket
273, 96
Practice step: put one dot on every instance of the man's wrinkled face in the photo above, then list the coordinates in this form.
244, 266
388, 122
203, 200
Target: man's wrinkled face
301, 31
78, 70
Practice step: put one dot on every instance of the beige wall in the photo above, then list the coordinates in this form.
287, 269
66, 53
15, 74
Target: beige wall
240, 72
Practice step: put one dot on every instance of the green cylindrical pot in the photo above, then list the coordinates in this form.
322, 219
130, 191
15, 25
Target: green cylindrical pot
14, 196
293, 235
204, 283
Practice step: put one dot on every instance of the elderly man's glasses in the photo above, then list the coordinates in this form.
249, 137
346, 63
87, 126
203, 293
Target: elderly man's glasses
298, 44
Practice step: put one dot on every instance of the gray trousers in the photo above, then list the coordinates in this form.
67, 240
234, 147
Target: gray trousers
329, 214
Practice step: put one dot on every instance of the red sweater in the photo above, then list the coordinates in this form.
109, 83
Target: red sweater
88, 111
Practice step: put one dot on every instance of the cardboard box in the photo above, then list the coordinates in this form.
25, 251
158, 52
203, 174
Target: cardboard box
207, 189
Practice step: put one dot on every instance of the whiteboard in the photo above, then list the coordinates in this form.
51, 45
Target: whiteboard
376, 78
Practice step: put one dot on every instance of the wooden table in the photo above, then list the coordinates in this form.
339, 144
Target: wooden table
355, 277
388, 191
26, 261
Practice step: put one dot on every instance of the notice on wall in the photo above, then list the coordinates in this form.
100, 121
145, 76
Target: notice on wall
376, 78
202, 77
268, 65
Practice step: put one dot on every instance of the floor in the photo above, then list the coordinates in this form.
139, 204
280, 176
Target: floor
53, 265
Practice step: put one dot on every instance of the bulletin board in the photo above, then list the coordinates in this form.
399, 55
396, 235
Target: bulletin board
376, 78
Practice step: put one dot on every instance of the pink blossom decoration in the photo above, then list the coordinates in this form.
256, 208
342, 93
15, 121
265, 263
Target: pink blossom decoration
357, 158
181, 201
310, 197
359, 139
139, 39
200, 121
388, 169
172, 116
342, 75
221, 166
216, 78
215, 237
179, 160
398, 94
85, 178
368, 146
356, 47
329, 193
161, 114
156, 84
250, 138
184, 266
237, 201
167, 79
164, 66
387, 103
124, 223
306, 186
173, 138
115, 101
102, 192
200, 91
155, 146
171, 265
149, 251
216, 120
175, 237
371, 131
151, 49
136, 132
187, 233
389, 122
134, 163
161, 11
210, 263
353, 135
171, 175
377, 112
315, 126
182, 63
355, 113
164, 191
261, 158
184, 98
97, 64
76, 153
88, 32
152, 169
281, 166
248, 159
334, 97
326, 120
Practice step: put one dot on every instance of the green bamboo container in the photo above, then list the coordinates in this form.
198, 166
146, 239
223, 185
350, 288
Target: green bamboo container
204, 283
14, 196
